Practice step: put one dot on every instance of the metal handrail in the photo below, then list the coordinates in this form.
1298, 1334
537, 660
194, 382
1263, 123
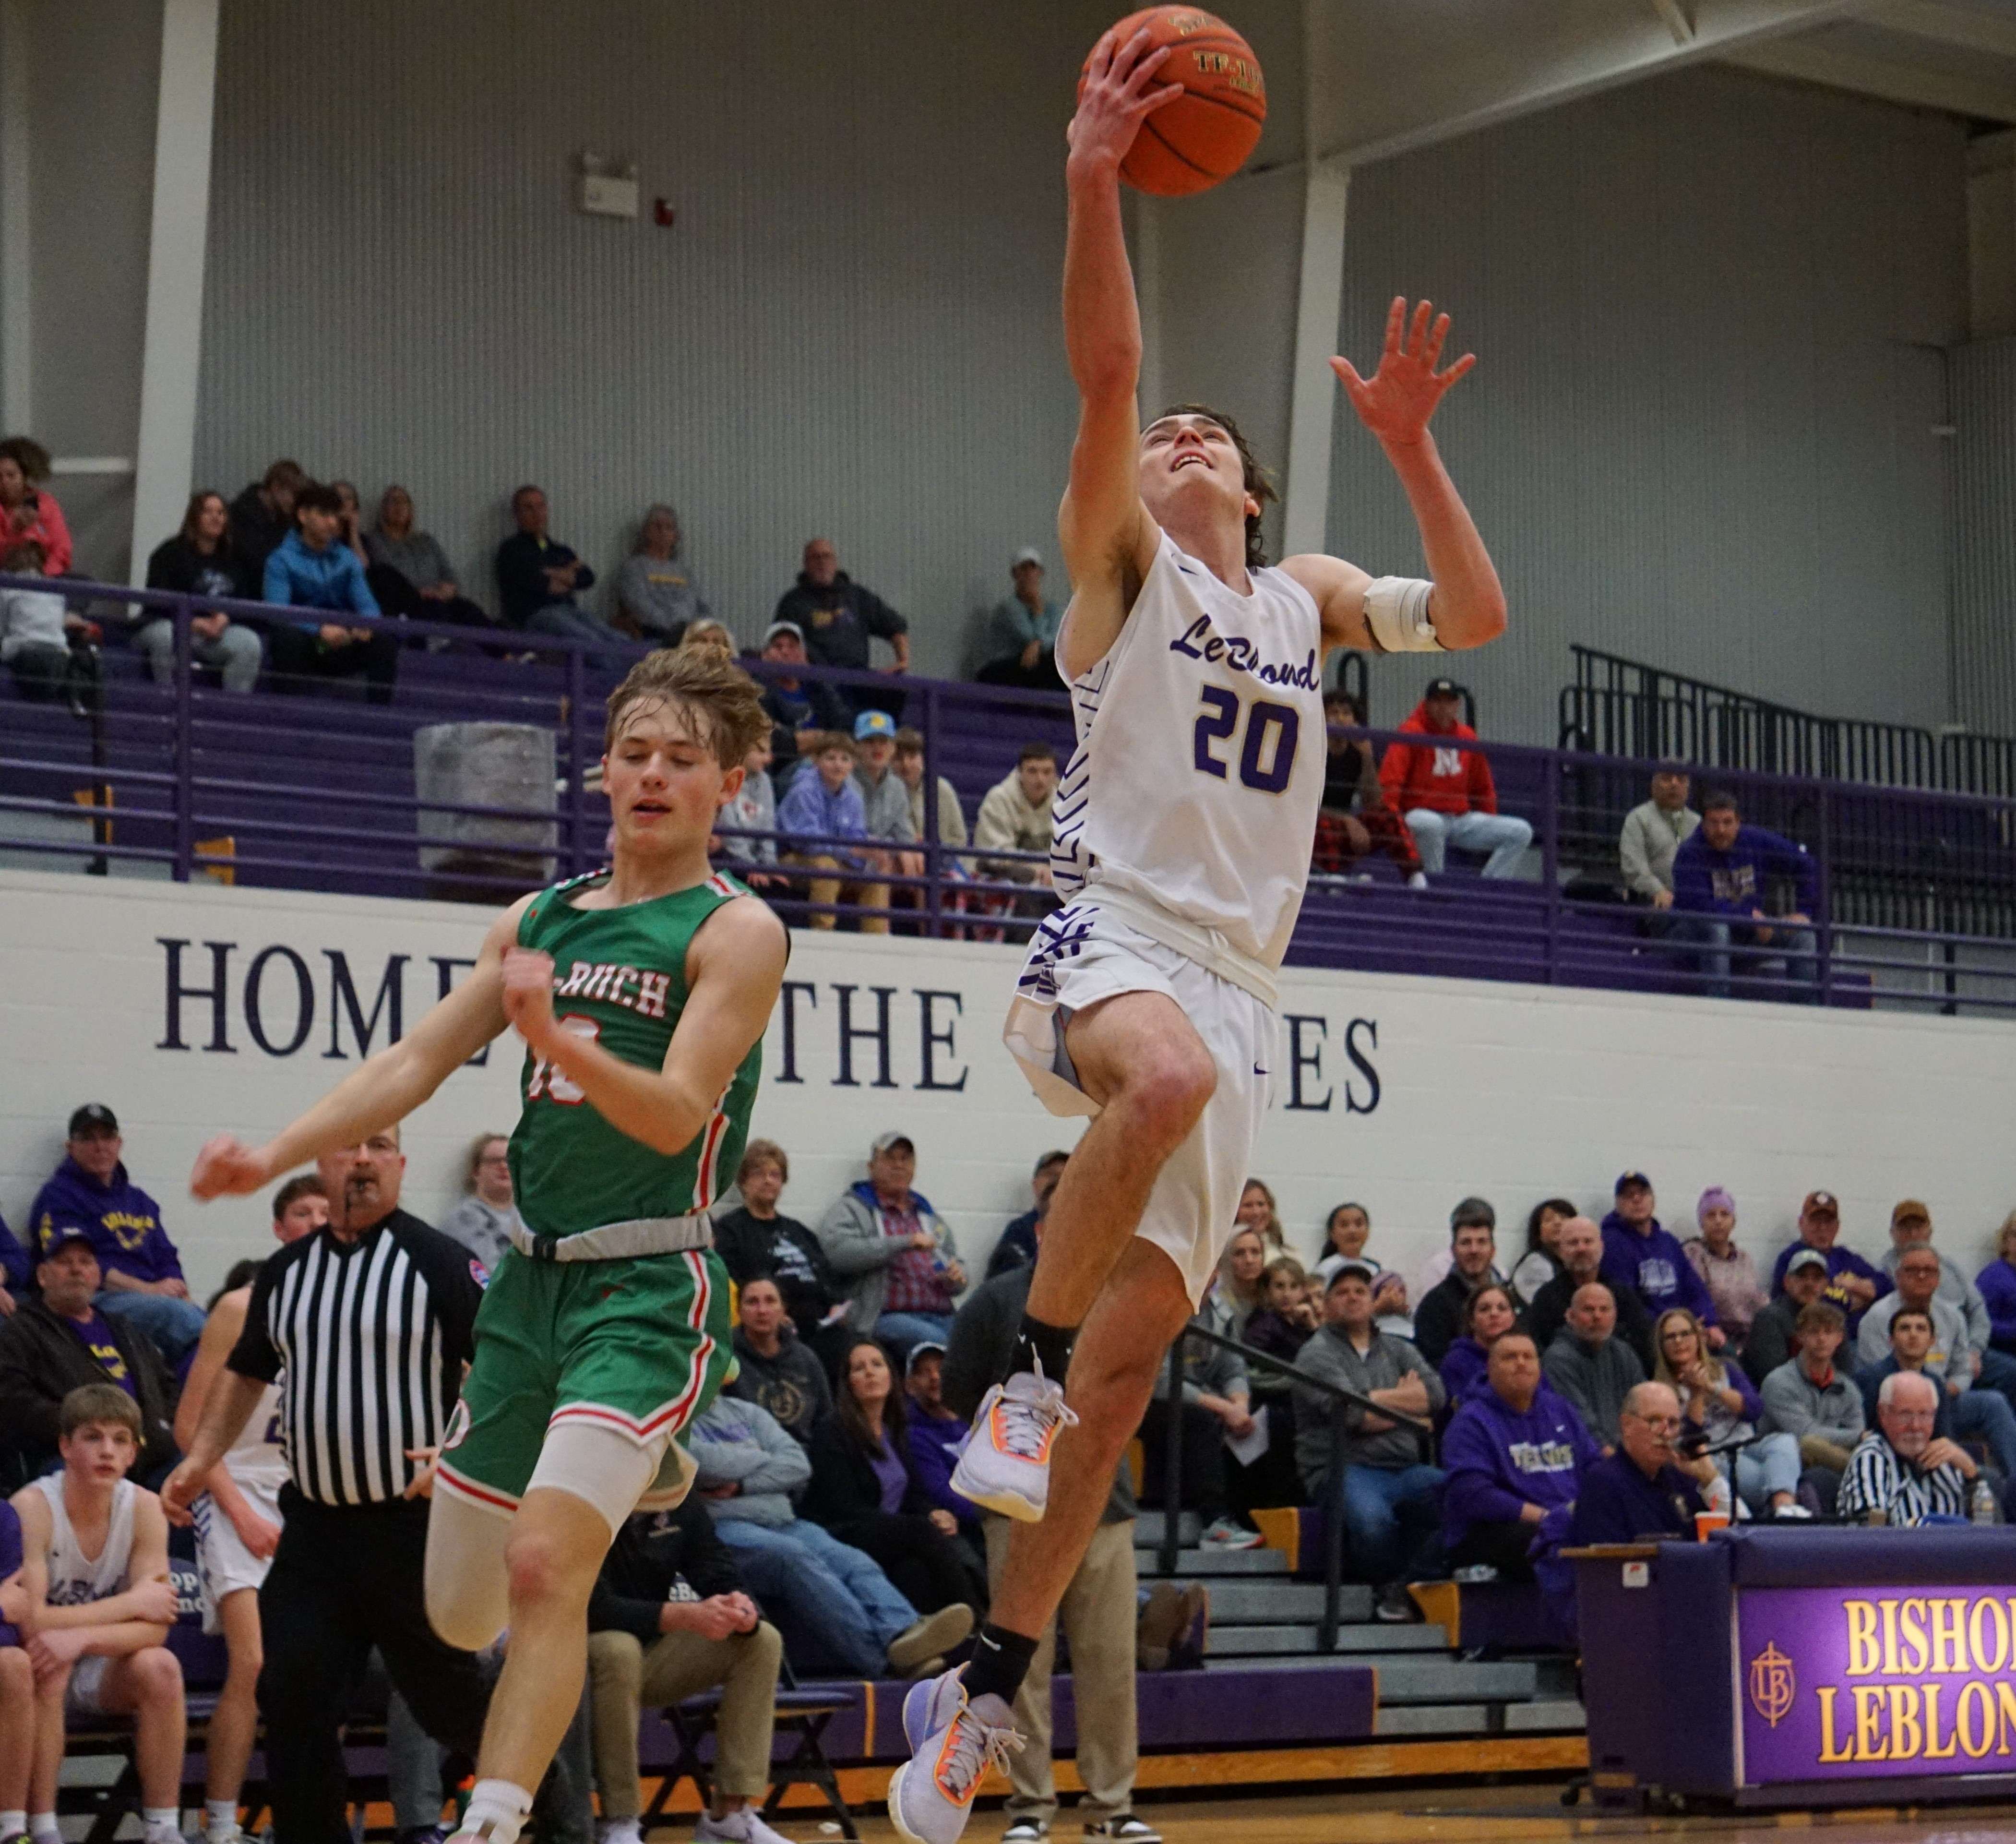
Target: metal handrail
1341, 1399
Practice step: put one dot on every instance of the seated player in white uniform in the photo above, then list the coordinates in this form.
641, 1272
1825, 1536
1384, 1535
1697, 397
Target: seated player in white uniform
95, 1566
1184, 826
238, 1518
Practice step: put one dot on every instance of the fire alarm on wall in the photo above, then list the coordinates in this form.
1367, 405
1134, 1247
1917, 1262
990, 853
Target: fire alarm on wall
608, 187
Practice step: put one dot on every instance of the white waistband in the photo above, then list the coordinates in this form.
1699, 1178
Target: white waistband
1206, 946
613, 1242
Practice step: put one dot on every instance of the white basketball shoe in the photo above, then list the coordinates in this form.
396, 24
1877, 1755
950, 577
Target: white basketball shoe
1005, 1463
953, 1742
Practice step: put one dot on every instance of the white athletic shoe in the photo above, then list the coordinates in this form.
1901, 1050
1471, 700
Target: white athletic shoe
744, 1825
930, 1795
1005, 1465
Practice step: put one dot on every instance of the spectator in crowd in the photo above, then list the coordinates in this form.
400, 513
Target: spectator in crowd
776, 1370
407, 571
800, 709
1542, 1261
1355, 815
1473, 1247
1096, 1612
756, 1241
1719, 1400
1022, 631
1435, 1270
1345, 1234
1900, 1468
821, 815
1515, 1454
836, 1606
1853, 1284
1640, 1254
29, 509
1653, 832
933, 1435
1446, 794
1580, 1247
1390, 1500
100, 1603
1238, 1289
1016, 1247
1977, 1413
747, 826
1213, 1407
1237, 1300
40, 637
1774, 1333
1258, 1211
952, 816
1721, 876
91, 1193
885, 798
17, 1683
263, 514
350, 522
59, 1342
238, 1523
1644, 1488
1911, 1227
1593, 1369
837, 617
201, 560
668, 1620
1016, 815
1487, 1314
1997, 1282
1727, 1271
482, 1222
1807, 1398
657, 597
863, 1490
538, 577
310, 569
884, 1239
1285, 1324
15, 1270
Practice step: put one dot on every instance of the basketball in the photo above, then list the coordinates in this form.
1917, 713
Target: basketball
1204, 136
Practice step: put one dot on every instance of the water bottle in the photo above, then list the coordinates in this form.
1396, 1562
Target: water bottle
1983, 1509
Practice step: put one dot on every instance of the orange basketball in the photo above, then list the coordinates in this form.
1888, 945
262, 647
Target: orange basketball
1205, 134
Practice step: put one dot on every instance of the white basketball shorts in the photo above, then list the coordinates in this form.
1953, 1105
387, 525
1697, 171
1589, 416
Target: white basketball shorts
1082, 954
222, 1559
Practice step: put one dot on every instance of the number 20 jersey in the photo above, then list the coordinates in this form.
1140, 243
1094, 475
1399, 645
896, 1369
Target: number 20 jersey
1199, 769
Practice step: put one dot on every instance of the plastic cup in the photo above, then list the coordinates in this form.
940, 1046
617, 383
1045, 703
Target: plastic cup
1707, 1523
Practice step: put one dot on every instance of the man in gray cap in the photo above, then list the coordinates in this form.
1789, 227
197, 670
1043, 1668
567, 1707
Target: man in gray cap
893, 1252
794, 705
1022, 631
1774, 1333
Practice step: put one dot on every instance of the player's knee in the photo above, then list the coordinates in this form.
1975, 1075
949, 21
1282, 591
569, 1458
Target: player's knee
246, 1660
539, 1569
17, 1675
157, 1675
1167, 1097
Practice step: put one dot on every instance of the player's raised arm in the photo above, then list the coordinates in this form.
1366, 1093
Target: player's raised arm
734, 969
381, 1090
1463, 605
1107, 538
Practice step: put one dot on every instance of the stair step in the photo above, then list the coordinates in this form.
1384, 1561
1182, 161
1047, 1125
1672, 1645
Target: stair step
1148, 1565
1451, 1680
1259, 1642
1433, 1719
1546, 1714
1271, 1602
1149, 1526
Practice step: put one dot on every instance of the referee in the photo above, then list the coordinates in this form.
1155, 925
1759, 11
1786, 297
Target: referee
368, 1322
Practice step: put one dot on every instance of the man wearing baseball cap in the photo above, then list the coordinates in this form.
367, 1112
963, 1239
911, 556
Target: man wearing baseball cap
90, 1193
1774, 1333
1853, 1284
1445, 793
899, 1256
1911, 1227
885, 797
794, 705
1638, 1253
1022, 631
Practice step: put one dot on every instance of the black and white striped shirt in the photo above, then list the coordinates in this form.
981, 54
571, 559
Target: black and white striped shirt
367, 1338
1878, 1475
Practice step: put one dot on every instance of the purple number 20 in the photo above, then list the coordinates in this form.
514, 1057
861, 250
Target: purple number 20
1265, 722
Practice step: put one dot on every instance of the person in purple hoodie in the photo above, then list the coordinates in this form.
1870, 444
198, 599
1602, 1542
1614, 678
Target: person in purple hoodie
1515, 1454
15, 1270
90, 1193
1639, 1254
1722, 874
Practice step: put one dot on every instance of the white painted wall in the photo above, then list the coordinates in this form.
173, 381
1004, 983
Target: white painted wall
1516, 1092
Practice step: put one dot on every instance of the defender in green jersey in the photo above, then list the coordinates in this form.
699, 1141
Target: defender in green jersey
642, 993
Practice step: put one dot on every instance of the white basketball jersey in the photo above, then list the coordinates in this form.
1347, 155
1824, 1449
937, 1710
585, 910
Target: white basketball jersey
1199, 769
75, 1578
256, 1460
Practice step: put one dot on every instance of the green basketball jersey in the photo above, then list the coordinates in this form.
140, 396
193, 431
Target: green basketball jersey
619, 977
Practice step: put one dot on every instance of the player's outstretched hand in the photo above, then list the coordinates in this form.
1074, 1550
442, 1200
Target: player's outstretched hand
528, 993
227, 1168
1396, 402
180, 1490
1120, 93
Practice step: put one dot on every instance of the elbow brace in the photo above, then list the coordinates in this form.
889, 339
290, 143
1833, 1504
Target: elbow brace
1396, 614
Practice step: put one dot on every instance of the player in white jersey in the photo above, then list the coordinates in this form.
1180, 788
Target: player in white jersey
94, 1569
1183, 830
237, 1519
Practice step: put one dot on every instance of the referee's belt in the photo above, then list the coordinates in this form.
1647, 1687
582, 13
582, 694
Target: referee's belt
617, 1241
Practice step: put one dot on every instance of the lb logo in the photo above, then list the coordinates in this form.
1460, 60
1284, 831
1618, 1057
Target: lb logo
1772, 1686
457, 1431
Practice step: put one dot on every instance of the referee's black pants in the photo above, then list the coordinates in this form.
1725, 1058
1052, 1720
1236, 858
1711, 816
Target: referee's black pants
344, 1579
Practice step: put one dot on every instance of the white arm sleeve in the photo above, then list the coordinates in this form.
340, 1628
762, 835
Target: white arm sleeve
1396, 611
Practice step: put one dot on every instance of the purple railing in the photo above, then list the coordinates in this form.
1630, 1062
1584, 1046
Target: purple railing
1916, 902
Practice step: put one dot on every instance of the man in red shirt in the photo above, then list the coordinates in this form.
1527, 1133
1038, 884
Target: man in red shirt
1445, 792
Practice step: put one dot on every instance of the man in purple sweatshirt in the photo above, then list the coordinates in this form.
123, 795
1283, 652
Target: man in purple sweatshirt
1515, 1454
1722, 873
90, 1195
1639, 1254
